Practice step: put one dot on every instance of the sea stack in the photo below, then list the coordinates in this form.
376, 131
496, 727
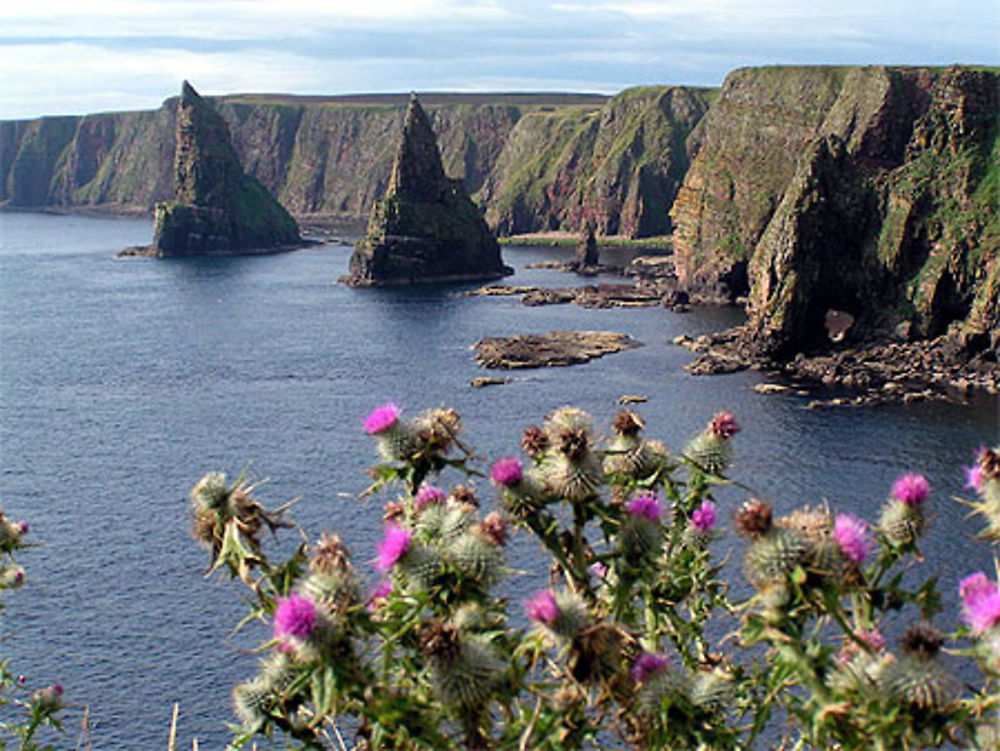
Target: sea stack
217, 209
425, 228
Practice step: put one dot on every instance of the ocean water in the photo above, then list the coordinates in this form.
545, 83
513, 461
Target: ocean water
123, 381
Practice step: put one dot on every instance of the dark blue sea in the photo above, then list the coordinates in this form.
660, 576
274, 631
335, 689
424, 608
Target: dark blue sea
123, 381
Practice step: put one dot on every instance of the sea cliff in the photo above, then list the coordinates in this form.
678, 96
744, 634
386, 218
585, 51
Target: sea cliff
808, 191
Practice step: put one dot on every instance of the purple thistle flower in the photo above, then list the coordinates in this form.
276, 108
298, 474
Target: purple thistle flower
380, 592
980, 602
851, 534
703, 517
393, 546
599, 570
910, 489
874, 639
542, 607
294, 617
648, 665
973, 478
724, 425
22, 528
382, 419
428, 495
506, 472
645, 507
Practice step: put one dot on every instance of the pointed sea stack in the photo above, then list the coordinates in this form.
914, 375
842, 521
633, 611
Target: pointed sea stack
216, 208
425, 228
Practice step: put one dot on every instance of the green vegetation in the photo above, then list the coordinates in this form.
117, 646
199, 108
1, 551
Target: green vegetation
633, 640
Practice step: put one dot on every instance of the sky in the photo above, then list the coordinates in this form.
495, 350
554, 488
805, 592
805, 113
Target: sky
72, 57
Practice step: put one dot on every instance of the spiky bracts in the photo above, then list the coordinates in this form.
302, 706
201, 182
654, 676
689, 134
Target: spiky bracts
917, 679
903, 518
466, 668
711, 450
984, 478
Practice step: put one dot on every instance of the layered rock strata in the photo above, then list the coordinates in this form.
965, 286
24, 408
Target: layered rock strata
868, 191
216, 207
425, 228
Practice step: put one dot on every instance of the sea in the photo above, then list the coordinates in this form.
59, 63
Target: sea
122, 381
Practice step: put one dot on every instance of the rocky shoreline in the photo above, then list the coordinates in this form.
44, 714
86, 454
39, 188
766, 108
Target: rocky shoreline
880, 372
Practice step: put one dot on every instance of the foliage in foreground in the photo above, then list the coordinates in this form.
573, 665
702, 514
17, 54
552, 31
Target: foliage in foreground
22, 711
635, 642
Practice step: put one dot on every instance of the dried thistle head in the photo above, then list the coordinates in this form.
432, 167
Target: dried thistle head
534, 441
439, 428
627, 423
814, 524
203, 527
754, 518
493, 529
464, 498
988, 460
330, 555
923, 640
394, 510
573, 443
439, 640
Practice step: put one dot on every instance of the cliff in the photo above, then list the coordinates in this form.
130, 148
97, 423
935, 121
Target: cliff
542, 161
425, 228
871, 191
323, 158
216, 207
618, 167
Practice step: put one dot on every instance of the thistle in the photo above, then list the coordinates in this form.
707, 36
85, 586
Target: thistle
628, 454
562, 616
477, 558
984, 478
917, 679
641, 532
251, 702
902, 520
772, 558
465, 669
394, 439
754, 518
711, 450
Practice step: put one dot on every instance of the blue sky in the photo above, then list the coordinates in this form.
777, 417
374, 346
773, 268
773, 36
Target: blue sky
59, 57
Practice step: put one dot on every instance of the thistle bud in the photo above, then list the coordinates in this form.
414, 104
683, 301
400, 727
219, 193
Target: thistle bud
251, 702
754, 518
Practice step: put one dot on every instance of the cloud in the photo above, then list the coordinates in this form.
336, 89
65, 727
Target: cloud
59, 57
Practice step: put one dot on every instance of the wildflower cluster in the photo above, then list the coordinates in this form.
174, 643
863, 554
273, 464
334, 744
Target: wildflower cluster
23, 711
630, 640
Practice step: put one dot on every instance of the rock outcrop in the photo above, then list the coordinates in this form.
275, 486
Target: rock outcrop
425, 228
216, 207
554, 349
870, 191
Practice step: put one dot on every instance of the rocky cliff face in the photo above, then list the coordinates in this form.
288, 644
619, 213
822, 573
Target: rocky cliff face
216, 207
324, 159
425, 228
618, 167
535, 162
871, 191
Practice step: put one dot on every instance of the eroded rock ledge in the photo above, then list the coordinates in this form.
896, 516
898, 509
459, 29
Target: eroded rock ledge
939, 369
556, 348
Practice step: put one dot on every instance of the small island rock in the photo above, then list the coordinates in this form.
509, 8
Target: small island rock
556, 348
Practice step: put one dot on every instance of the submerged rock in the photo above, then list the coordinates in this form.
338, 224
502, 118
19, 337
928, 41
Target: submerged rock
216, 207
425, 228
556, 348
